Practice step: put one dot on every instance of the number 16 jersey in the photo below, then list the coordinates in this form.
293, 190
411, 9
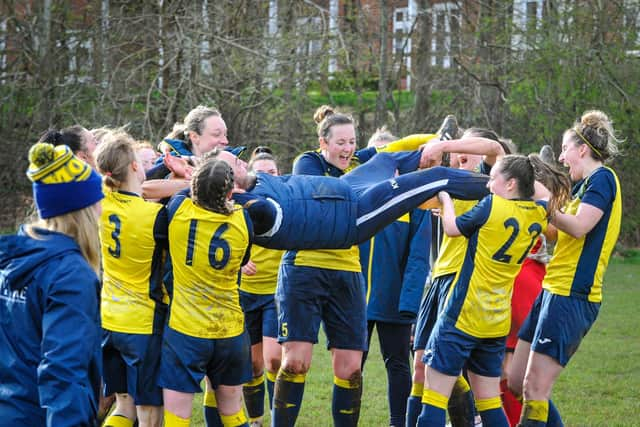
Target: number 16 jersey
207, 250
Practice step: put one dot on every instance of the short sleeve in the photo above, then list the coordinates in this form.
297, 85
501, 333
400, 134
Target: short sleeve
600, 190
469, 222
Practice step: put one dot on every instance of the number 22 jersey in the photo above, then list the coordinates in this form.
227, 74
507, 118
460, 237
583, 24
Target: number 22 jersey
501, 233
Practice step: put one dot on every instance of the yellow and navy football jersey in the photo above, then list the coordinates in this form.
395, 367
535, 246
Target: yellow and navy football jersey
207, 250
578, 265
133, 237
313, 163
501, 233
267, 263
452, 249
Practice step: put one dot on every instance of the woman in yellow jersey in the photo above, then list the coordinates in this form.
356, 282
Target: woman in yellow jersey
209, 240
257, 291
474, 323
588, 228
133, 308
477, 151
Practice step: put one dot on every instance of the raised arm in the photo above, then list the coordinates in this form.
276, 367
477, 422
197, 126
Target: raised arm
448, 215
490, 149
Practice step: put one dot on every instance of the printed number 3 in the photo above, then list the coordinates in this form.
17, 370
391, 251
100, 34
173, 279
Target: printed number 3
534, 231
217, 246
115, 235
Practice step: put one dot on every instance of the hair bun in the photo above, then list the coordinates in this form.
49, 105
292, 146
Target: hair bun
322, 113
41, 154
595, 119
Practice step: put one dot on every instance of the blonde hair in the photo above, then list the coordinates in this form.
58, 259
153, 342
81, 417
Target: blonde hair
139, 145
381, 135
595, 129
81, 226
103, 132
113, 157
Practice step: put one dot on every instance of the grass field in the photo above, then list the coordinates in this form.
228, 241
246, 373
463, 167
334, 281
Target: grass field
600, 387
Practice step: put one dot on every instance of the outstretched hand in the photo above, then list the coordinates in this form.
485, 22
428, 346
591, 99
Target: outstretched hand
431, 155
178, 166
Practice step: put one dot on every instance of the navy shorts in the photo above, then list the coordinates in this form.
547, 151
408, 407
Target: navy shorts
260, 315
186, 360
131, 363
449, 350
307, 295
556, 325
431, 306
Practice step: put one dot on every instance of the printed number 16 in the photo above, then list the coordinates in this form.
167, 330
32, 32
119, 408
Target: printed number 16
216, 244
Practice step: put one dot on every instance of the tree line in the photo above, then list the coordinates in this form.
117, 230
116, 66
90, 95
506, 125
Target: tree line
527, 72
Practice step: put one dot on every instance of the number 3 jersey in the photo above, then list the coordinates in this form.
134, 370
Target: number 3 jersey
501, 233
207, 250
133, 239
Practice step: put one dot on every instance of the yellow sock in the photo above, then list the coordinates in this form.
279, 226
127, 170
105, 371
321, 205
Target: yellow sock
536, 410
417, 389
487, 404
255, 381
237, 419
271, 376
346, 383
117, 421
172, 420
292, 378
436, 399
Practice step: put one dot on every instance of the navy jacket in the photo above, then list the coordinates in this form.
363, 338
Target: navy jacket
303, 201
395, 265
50, 357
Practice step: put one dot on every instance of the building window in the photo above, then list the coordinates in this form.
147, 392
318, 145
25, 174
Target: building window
3, 49
309, 30
401, 28
78, 52
632, 26
445, 30
527, 16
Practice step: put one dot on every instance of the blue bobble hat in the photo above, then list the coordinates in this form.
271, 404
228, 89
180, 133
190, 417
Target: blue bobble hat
62, 183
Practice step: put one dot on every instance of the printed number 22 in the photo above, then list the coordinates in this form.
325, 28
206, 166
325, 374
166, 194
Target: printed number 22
115, 235
215, 245
534, 231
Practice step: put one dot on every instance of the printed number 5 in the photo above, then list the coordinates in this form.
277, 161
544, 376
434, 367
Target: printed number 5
284, 330
115, 235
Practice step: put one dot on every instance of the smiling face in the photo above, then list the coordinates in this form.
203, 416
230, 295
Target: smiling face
340, 145
572, 154
213, 134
